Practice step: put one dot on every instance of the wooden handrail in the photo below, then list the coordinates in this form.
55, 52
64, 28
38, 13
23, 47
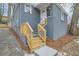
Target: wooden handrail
42, 32
44, 22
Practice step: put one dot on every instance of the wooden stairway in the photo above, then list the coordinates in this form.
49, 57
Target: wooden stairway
33, 42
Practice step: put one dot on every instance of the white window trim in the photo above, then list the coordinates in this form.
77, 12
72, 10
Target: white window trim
62, 16
28, 8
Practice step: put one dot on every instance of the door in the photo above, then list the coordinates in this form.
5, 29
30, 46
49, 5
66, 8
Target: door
49, 26
43, 15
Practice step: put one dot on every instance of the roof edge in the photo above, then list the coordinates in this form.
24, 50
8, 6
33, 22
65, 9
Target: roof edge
62, 8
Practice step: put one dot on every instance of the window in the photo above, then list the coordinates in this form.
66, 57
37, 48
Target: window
5, 9
48, 11
27, 8
62, 16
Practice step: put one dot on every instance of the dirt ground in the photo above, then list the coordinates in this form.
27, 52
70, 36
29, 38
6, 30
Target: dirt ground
70, 49
9, 46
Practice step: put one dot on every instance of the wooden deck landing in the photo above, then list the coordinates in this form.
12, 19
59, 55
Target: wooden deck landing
3, 26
